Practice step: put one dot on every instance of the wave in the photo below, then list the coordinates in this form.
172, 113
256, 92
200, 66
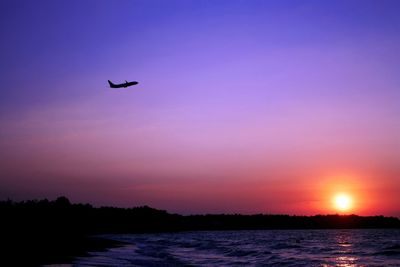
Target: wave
255, 248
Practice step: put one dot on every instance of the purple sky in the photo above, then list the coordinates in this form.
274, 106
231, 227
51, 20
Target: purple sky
242, 106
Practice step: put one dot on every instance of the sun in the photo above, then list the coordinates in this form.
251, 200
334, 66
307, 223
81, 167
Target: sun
342, 202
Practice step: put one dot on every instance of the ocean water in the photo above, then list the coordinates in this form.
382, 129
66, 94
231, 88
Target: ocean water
253, 248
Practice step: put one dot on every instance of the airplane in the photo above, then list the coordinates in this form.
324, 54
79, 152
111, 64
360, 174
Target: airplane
126, 84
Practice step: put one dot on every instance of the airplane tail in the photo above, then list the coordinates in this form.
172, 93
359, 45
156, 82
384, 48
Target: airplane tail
110, 83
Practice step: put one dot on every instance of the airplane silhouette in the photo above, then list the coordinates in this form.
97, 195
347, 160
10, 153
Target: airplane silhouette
126, 84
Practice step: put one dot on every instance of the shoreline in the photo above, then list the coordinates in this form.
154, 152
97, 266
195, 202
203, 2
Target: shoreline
49, 251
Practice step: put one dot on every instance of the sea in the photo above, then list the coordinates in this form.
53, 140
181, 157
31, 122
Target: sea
345, 248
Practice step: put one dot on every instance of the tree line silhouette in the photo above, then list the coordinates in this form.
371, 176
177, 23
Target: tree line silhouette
56, 231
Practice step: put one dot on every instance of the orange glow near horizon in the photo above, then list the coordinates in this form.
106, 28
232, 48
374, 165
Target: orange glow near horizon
346, 193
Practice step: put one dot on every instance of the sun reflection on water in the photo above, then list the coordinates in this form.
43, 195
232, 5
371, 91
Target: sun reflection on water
345, 246
346, 261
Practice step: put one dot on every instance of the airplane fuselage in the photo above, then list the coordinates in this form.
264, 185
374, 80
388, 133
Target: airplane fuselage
121, 85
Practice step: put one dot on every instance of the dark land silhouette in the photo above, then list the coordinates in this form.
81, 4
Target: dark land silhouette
41, 231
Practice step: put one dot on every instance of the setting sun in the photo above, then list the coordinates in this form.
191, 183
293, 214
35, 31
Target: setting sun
342, 202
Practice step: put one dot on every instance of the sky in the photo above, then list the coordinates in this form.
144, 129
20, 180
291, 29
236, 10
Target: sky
241, 107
